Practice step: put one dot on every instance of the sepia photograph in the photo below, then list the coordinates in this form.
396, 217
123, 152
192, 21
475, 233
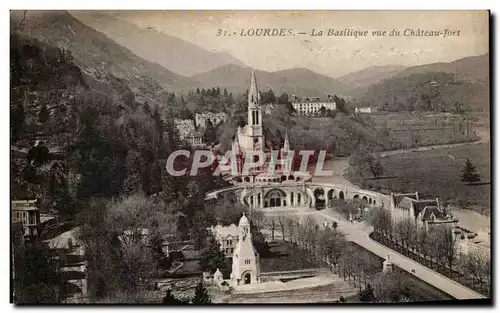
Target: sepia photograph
250, 157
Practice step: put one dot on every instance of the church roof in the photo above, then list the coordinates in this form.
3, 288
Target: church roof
405, 203
218, 273
253, 93
429, 211
419, 205
398, 197
224, 231
244, 221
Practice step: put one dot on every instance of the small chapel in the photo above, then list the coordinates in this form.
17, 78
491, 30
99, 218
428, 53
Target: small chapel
246, 267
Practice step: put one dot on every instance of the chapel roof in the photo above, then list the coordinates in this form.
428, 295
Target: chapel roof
419, 205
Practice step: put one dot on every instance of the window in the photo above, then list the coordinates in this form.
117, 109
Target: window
248, 262
255, 118
32, 219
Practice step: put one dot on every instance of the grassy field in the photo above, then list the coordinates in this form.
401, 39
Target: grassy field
422, 129
285, 257
436, 173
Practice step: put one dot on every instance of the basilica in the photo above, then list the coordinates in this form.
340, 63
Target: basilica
274, 184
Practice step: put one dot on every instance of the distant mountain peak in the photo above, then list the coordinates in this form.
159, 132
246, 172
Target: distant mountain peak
176, 54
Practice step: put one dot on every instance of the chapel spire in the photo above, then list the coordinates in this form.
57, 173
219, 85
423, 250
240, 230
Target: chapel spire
253, 92
286, 145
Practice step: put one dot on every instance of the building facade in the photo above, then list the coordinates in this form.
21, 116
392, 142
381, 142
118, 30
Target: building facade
187, 132
365, 110
275, 184
424, 212
227, 237
246, 266
201, 119
27, 213
251, 137
312, 105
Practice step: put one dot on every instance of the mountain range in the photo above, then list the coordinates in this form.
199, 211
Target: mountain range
173, 53
100, 42
97, 55
297, 81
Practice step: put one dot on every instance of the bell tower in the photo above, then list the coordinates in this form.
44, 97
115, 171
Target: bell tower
255, 116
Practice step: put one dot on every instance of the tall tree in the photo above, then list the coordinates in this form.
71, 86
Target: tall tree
201, 295
37, 277
469, 173
212, 258
210, 135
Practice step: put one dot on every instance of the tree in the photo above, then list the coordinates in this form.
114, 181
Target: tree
388, 287
366, 295
381, 220
292, 231
201, 295
260, 244
477, 266
469, 174
212, 258
271, 223
363, 161
258, 218
282, 225
376, 167
210, 135
446, 243
170, 299
37, 277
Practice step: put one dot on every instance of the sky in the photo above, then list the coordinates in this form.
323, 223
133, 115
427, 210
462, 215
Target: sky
330, 55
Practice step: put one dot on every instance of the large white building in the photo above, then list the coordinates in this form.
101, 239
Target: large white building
227, 237
201, 119
187, 132
312, 105
424, 212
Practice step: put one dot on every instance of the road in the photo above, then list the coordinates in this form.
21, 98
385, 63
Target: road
358, 233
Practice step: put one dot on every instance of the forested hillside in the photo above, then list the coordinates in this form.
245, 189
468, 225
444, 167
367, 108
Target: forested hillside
93, 142
429, 91
98, 56
459, 86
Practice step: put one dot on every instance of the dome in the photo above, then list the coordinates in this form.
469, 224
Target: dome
217, 274
244, 221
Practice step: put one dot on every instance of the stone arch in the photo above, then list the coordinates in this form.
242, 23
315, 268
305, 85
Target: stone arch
246, 278
330, 195
291, 177
365, 199
283, 177
341, 195
319, 196
275, 198
238, 179
247, 179
369, 200
355, 197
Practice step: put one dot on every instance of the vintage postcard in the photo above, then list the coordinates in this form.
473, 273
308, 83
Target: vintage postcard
196, 157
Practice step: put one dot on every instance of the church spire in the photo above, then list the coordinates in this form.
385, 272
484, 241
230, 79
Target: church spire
286, 145
253, 92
